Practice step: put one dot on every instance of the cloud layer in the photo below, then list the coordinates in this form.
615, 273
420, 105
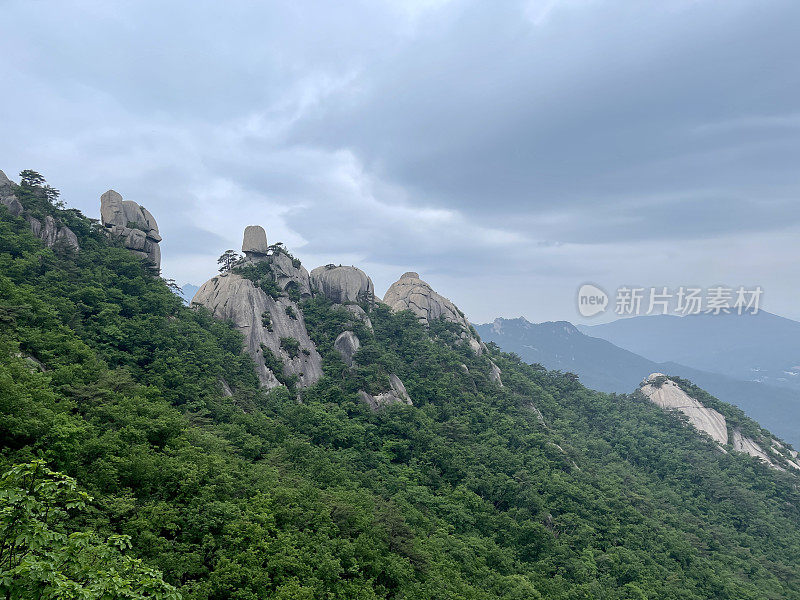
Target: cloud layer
509, 151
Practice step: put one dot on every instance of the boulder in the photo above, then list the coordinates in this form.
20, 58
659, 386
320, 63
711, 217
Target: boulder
112, 211
343, 285
133, 224
274, 329
254, 241
347, 344
411, 293
395, 395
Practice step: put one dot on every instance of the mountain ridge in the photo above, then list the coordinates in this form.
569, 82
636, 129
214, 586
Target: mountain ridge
604, 366
529, 487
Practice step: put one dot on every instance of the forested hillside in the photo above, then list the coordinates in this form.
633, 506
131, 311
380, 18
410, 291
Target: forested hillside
536, 488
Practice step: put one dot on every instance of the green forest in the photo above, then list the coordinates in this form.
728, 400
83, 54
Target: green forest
130, 473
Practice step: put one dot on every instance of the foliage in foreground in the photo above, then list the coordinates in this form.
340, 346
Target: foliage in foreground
40, 557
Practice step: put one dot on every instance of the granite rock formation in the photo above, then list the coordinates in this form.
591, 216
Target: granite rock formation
744, 444
347, 344
254, 242
133, 224
412, 293
7, 196
494, 373
272, 323
397, 394
49, 230
272, 328
289, 273
343, 285
52, 234
668, 395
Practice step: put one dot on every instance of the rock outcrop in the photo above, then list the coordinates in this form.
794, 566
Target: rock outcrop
343, 285
744, 444
52, 234
397, 394
272, 323
411, 293
274, 329
494, 373
347, 344
668, 395
7, 196
133, 224
289, 273
359, 313
50, 231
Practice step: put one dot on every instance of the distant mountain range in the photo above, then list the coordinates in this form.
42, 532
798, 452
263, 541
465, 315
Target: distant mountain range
764, 348
188, 291
604, 366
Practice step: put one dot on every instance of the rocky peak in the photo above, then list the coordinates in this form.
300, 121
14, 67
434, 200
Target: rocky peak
412, 293
343, 285
133, 224
260, 297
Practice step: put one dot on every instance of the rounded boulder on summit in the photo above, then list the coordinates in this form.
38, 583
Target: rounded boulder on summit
412, 293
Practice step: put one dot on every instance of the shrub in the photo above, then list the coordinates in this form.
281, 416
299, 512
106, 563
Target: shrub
291, 346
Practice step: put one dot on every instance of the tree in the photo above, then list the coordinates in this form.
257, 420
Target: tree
227, 260
31, 178
41, 558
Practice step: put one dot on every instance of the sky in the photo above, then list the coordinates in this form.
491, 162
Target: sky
509, 152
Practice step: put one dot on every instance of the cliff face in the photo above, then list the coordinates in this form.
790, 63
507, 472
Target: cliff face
667, 394
267, 324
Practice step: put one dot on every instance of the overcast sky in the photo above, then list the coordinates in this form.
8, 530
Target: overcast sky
507, 151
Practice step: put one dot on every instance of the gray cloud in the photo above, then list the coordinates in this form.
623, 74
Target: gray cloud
518, 147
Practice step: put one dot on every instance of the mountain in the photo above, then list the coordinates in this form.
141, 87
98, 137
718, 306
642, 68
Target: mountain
604, 366
188, 291
764, 348
284, 441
